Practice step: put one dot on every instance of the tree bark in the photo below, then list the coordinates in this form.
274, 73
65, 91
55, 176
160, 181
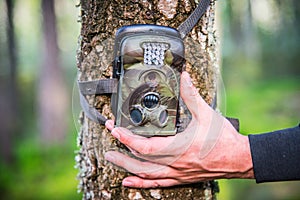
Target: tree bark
100, 20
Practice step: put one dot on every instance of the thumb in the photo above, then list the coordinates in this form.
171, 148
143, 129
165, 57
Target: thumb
190, 96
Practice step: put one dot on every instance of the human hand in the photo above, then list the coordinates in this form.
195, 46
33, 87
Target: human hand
209, 148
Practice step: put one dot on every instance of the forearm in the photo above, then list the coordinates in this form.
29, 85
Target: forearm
276, 155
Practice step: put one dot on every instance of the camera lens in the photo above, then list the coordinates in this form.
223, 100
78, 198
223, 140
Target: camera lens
136, 116
159, 116
151, 100
163, 117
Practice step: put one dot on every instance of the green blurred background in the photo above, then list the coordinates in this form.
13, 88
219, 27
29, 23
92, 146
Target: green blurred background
259, 46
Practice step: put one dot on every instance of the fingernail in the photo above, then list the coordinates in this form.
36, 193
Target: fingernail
127, 183
109, 124
115, 133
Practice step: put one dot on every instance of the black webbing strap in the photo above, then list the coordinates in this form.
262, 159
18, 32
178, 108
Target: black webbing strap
103, 86
235, 123
192, 20
91, 112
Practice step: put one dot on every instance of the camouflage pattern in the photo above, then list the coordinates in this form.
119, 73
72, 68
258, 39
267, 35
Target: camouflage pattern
140, 84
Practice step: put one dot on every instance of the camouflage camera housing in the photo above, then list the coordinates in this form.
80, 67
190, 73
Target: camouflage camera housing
148, 63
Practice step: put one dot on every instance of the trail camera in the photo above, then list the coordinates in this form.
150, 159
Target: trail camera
148, 63
144, 89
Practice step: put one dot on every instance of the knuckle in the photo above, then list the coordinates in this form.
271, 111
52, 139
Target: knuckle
148, 174
147, 149
143, 175
155, 184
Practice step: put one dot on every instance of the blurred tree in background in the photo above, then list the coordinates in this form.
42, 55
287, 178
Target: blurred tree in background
36, 170
8, 88
260, 54
52, 92
261, 73
261, 51
266, 32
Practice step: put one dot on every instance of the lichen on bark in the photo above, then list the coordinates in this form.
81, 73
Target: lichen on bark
100, 20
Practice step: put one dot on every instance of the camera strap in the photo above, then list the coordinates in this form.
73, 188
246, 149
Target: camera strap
192, 20
98, 87
109, 86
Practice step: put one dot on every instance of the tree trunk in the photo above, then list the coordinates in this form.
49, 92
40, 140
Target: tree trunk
100, 20
9, 124
52, 92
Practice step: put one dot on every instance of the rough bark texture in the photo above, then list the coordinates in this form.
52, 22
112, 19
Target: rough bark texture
100, 20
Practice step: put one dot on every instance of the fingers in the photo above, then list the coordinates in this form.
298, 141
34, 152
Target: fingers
151, 175
140, 144
191, 97
109, 124
154, 149
137, 182
142, 169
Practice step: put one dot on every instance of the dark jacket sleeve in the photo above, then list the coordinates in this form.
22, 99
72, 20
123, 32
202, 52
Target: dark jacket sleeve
276, 155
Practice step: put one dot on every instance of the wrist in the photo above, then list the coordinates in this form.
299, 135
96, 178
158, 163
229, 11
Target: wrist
231, 156
237, 154
243, 161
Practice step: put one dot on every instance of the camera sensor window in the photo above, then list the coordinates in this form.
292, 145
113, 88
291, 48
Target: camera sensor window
154, 53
